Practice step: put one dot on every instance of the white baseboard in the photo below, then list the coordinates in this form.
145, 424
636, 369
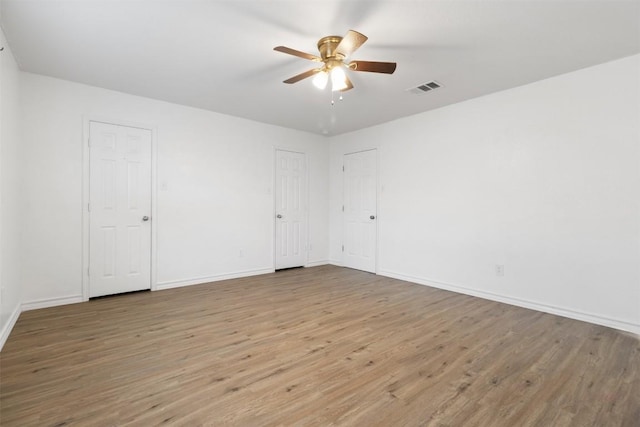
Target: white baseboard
336, 262
200, 280
560, 311
8, 327
50, 302
317, 263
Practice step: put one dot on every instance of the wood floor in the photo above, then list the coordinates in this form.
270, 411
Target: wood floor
317, 346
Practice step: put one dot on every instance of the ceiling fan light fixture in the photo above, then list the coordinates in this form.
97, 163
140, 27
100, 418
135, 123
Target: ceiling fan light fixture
338, 79
333, 52
320, 80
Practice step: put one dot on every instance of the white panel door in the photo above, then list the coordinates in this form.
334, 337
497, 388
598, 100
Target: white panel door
291, 218
119, 209
360, 202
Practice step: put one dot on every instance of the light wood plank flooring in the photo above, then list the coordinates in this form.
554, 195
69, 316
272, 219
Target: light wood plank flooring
317, 346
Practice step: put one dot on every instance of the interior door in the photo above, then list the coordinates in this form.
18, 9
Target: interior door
119, 209
360, 211
290, 214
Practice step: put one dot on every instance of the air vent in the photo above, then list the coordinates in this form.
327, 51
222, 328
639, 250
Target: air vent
425, 87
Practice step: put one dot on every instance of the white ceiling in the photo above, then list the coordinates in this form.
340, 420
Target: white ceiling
218, 55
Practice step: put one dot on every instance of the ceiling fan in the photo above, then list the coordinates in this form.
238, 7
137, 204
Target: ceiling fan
334, 51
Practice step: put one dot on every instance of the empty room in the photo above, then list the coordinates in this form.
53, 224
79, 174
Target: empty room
319, 213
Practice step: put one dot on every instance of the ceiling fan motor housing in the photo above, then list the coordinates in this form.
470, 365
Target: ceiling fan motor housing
327, 47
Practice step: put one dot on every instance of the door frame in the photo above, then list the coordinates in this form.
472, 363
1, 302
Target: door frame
86, 119
377, 240
305, 201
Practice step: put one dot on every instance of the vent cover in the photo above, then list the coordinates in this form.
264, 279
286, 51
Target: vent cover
425, 87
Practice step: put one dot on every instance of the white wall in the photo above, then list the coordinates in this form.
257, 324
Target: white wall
218, 175
10, 211
543, 179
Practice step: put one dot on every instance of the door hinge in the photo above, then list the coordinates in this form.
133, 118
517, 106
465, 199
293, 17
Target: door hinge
88, 207
88, 271
89, 142
342, 168
342, 248
342, 208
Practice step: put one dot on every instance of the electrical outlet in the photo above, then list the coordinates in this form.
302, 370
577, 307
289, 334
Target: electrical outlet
499, 270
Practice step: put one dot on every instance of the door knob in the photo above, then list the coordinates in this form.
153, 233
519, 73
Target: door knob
372, 217
145, 218
278, 216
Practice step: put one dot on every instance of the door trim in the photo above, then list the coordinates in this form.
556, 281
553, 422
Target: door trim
273, 202
86, 119
377, 241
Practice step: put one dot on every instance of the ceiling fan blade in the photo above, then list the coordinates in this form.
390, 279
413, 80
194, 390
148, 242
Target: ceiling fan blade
349, 84
302, 76
297, 53
350, 43
373, 67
